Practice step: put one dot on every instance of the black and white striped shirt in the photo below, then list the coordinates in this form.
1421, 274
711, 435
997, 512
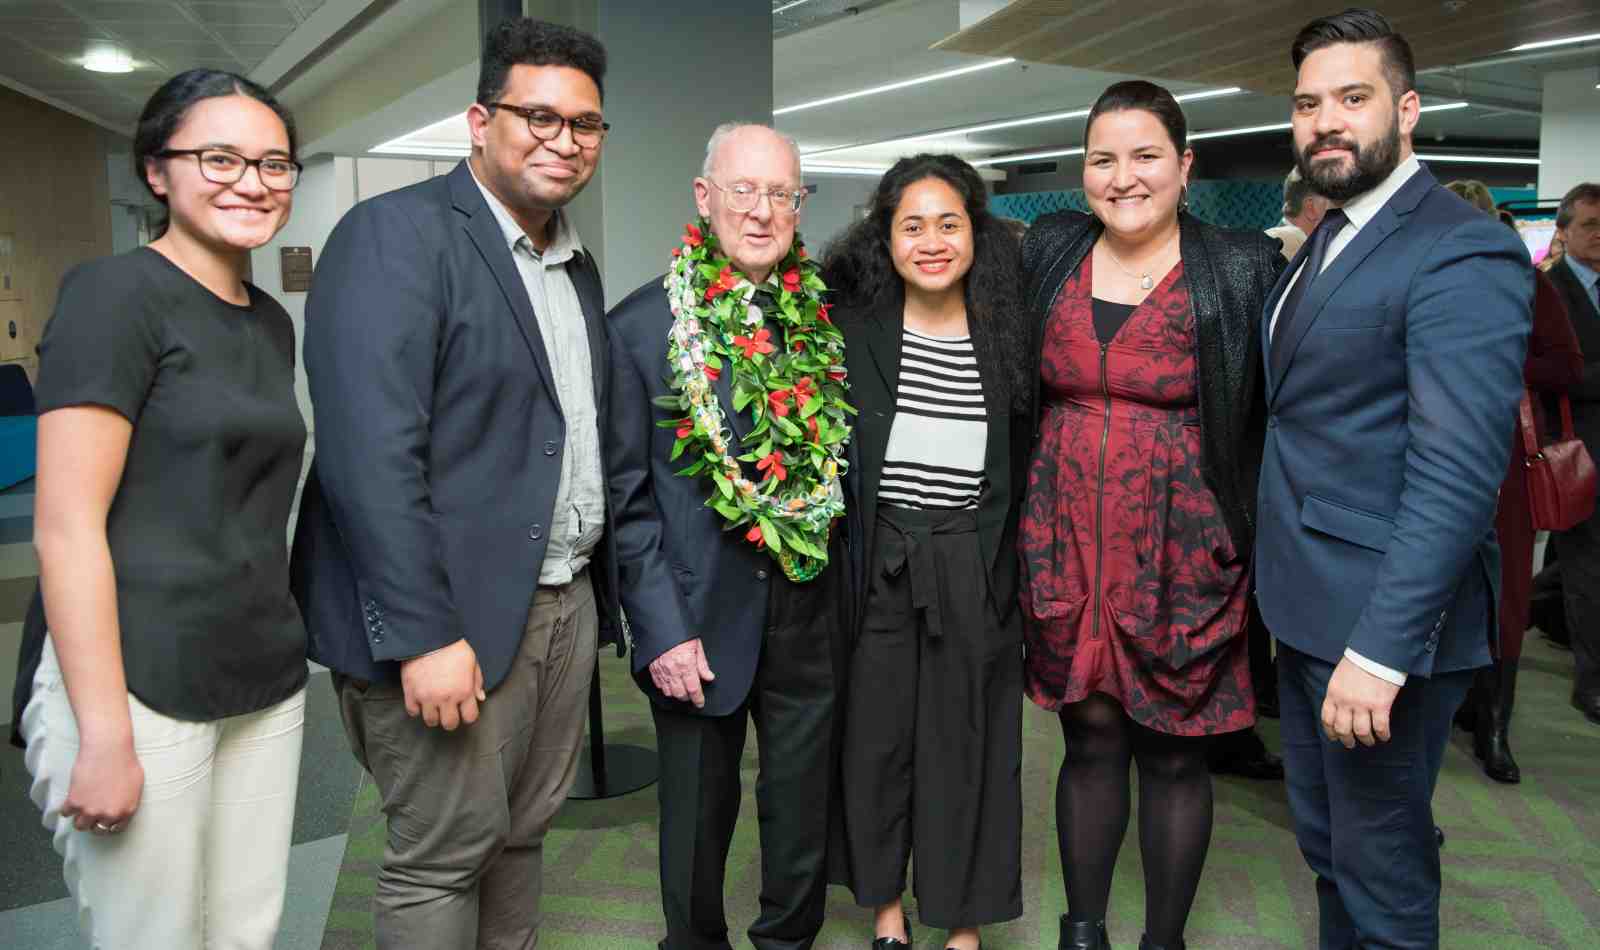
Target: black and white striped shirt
940, 429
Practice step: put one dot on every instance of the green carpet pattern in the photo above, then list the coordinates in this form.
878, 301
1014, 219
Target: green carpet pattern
1521, 863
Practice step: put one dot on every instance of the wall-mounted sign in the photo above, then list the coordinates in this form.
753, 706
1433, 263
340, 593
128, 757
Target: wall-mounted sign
295, 269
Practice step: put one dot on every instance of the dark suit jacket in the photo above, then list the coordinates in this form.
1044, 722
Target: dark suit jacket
1586, 323
1388, 435
438, 436
681, 576
872, 354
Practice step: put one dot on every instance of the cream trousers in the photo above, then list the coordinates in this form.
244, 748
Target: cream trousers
202, 863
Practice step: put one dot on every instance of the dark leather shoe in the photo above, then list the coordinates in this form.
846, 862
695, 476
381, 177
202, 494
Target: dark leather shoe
1083, 935
1588, 703
1244, 754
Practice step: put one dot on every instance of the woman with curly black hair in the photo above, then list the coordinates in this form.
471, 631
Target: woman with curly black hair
927, 291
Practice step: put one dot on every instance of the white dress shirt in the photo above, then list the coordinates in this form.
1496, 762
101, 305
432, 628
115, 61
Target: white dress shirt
1359, 211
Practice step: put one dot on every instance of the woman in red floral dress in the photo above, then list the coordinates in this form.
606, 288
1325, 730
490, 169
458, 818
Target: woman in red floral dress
1137, 523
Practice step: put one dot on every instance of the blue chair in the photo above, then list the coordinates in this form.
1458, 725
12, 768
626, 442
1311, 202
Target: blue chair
18, 427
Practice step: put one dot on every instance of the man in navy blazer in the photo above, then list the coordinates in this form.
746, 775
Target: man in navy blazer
720, 636
1394, 348
452, 555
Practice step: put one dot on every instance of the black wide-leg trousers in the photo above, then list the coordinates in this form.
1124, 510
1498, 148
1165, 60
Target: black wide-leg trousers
933, 733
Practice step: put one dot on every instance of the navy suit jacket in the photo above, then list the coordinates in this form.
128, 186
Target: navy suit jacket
439, 436
681, 575
1388, 435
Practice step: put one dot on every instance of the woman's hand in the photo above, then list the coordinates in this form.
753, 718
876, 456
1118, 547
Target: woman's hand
107, 783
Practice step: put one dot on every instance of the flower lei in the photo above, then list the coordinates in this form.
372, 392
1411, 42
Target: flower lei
793, 387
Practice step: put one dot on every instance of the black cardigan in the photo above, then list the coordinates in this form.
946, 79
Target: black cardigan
1230, 275
872, 355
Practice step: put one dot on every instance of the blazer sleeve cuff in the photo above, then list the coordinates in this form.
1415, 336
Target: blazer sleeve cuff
1376, 669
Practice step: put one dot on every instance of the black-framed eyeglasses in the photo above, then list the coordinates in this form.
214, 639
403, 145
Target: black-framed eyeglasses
544, 125
223, 167
743, 197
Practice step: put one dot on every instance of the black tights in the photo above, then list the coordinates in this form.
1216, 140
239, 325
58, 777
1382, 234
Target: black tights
1092, 813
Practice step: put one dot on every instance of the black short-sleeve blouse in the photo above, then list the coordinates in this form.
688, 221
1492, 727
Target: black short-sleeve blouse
198, 526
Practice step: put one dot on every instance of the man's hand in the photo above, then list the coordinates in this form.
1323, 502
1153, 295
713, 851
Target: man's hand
444, 686
678, 672
1356, 708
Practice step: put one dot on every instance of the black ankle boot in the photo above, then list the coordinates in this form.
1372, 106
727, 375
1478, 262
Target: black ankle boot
1145, 943
1083, 935
1492, 741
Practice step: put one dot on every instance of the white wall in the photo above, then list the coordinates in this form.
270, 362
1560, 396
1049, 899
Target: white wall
831, 208
1569, 131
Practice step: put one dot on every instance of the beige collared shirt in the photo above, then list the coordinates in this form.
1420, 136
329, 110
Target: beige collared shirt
579, 517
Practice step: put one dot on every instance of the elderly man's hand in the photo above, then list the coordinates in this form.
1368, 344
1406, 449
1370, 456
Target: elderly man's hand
678, 672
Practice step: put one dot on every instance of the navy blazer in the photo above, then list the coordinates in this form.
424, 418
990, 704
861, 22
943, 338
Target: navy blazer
439, 436
1388, 435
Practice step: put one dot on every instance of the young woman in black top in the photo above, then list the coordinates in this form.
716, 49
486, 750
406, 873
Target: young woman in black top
165, 713
938, 364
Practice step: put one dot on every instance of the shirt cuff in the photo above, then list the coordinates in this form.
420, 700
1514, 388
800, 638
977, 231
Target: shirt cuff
1376, 669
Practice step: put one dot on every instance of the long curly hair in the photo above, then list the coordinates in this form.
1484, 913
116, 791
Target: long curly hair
861, 274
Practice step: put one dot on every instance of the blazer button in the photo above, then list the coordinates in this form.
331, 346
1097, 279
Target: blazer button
550, 448
761, 574
535, 533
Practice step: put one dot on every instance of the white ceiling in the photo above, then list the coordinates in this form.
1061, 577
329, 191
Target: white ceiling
42, 41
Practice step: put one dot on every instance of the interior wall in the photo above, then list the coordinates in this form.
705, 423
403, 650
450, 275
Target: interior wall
54, 213
832, 207
1569, 131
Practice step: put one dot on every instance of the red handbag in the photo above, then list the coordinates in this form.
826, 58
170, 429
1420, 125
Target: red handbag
1561, 475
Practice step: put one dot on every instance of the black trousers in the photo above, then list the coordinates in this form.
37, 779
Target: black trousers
1579, 553
792, 702
933, 736
1364, 816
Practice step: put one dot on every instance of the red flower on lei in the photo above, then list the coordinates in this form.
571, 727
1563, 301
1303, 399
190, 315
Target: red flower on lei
791, 280
772, 464
725, 282
693, 237
760, 343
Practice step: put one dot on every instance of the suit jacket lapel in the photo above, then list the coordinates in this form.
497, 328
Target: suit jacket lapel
486, 235
586, 280
1278, 290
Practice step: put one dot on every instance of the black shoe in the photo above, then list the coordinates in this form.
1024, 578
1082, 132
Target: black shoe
890, 943
1145, 943
1588, 703
1244, 754
1492, 741
1083, 935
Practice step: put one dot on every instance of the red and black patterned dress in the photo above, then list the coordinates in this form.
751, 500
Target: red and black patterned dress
1131, 584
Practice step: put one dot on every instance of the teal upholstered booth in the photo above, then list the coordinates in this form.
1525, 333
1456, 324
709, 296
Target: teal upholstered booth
18, 428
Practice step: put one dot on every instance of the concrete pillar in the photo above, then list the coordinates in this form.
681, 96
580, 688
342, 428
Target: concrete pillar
671, 80
1569, 132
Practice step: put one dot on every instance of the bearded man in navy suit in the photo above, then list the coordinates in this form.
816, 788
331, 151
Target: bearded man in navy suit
1394, 351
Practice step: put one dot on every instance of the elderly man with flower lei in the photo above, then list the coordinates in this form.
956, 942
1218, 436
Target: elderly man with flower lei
727, 465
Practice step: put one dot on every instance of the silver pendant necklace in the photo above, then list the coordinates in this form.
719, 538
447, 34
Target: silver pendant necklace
1146, 281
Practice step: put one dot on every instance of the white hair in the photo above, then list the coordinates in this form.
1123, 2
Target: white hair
728, 128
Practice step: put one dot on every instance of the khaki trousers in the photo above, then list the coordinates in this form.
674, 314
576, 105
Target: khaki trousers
468, 810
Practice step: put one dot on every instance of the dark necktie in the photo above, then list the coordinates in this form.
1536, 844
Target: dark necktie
1288, 314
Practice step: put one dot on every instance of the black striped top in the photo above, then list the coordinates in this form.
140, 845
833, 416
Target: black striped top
940, 430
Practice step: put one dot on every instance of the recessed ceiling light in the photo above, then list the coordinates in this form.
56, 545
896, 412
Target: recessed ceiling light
107, 59
1542, 44
892, 86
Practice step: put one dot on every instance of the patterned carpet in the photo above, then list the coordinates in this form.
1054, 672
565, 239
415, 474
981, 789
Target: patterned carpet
1522, 864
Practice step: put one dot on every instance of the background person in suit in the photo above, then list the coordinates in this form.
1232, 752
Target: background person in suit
1577, 277
1302, 212
1394, 348
452, 542
937, 347
721, 635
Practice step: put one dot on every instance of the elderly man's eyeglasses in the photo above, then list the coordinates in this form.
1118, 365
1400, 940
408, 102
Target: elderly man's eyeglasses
544, 125
743, 197
222, 167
